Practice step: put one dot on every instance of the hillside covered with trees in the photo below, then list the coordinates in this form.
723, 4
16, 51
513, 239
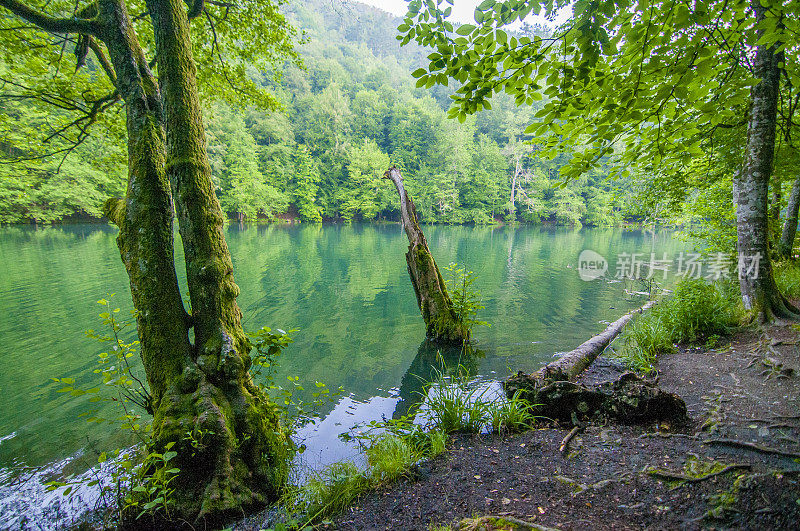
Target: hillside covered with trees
349, 111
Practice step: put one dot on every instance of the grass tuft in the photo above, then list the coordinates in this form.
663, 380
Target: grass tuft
787, 278
697, 311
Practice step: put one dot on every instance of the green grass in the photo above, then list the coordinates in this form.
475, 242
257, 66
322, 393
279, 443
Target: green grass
331, 490
393, 447
787, 278
390, 457
697, 311
455, 405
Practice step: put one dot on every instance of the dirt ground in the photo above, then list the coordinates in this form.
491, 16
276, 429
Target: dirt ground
740, 391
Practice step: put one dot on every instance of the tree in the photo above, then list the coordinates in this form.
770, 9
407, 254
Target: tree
362, 193
201, 386
243, 190
649, 83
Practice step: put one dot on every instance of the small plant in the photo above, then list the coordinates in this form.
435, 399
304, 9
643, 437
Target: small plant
645, 339
511, 415
390, 457
466, 299
295, 411
453, 405
152, 492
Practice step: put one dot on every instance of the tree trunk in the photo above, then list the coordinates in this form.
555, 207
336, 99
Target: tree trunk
775, 204
145, 217
243, 463
759, 292
790, 225
569, 366
512, 208
434, 302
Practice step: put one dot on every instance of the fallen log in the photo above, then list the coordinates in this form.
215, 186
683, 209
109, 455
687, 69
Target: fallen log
441, 321
569, 366
629, 399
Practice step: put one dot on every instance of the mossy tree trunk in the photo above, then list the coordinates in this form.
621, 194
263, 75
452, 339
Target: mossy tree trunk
232, 452
790, 224
434, 302
145, 216
244, 459
759, 292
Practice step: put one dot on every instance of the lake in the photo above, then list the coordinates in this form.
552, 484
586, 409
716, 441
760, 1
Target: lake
346, 290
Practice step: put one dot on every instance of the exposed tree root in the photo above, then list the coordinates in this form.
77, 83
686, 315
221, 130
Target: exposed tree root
689, 479
751, 446
489, 523
629, 399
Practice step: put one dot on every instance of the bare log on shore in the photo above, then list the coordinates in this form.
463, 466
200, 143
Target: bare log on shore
554, 394
434, 302
572, 364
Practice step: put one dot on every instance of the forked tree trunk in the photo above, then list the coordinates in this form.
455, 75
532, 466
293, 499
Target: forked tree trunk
232, 452
243, 459
759, 292
144, 218
790, 225
434, 302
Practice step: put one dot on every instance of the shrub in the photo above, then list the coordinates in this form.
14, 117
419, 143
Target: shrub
696, 311
787, 278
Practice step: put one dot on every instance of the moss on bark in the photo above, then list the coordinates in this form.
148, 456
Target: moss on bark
441, 322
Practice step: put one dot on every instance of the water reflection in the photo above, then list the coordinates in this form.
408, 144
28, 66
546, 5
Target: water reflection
431, 363
345, 288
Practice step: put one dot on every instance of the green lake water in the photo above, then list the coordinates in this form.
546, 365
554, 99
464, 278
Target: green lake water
344, 287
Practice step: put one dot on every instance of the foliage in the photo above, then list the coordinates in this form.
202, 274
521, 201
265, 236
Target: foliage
353, 111
644, 340
295, 410
465, 297
141, 477
696, 311
787, 278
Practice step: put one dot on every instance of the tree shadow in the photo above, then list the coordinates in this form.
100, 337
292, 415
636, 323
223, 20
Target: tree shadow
431, 362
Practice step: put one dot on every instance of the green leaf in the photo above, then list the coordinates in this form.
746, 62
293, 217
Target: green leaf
465, 29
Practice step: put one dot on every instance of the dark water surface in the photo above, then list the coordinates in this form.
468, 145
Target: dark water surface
344, 287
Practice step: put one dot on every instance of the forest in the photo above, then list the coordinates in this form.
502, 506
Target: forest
347, 110
634, 127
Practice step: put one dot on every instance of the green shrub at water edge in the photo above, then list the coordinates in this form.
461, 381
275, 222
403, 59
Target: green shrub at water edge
696, 311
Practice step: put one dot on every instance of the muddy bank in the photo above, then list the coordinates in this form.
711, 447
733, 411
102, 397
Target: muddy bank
660, 476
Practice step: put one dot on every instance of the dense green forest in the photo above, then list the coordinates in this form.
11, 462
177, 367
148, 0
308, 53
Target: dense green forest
349, 112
